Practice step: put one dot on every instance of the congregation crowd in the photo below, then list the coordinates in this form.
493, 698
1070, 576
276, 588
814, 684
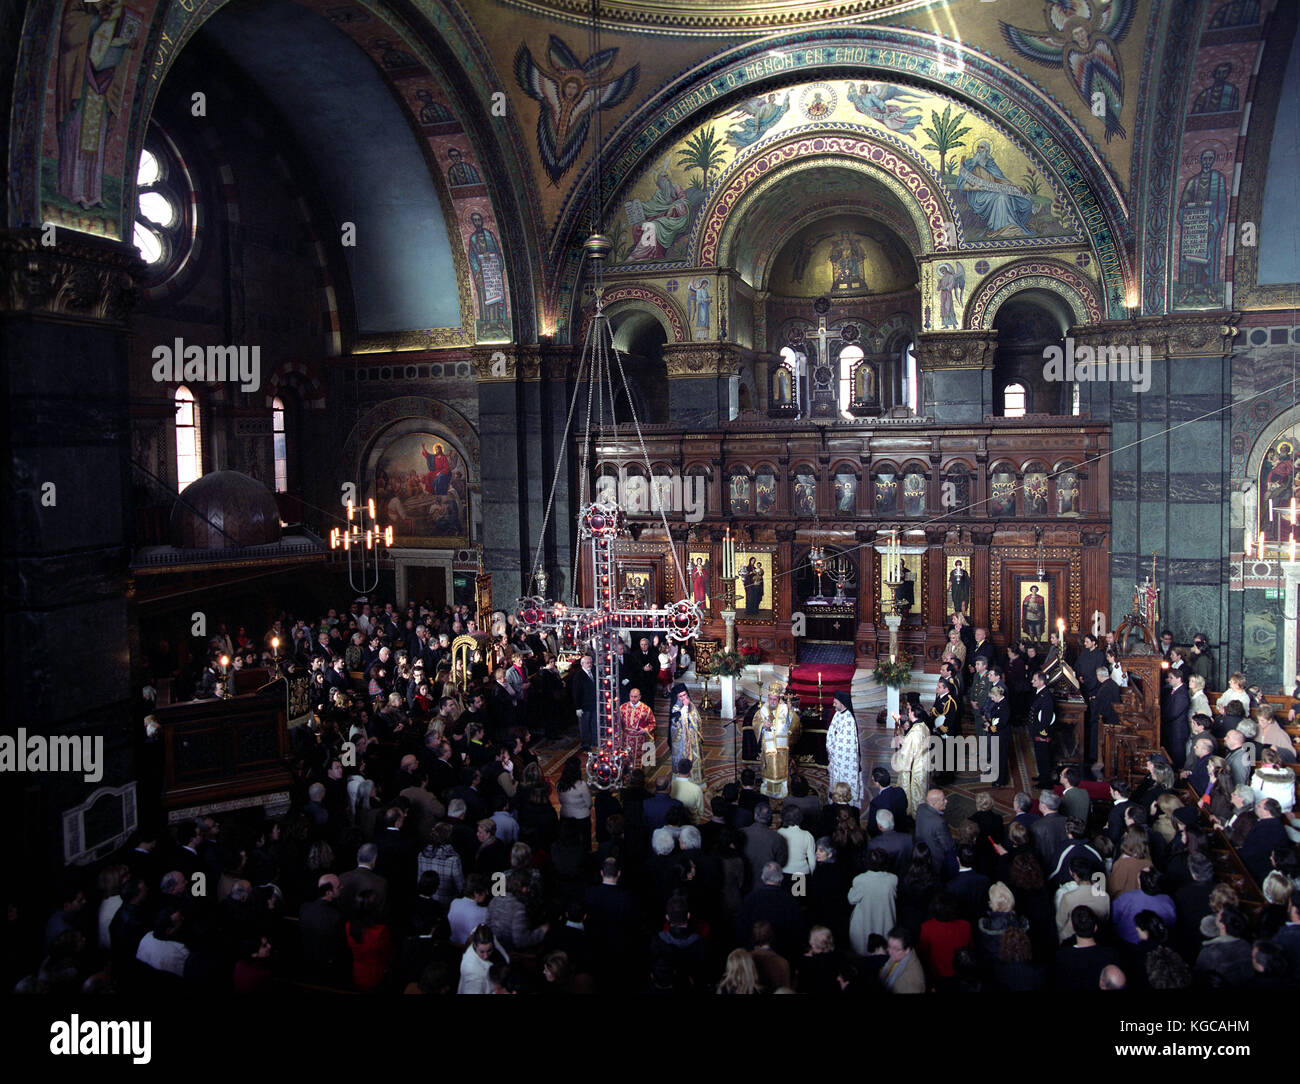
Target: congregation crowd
426, 850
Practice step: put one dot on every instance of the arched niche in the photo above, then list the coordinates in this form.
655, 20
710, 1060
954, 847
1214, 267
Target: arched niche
1029, 323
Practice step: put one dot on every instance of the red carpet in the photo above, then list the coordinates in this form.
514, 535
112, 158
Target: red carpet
834, 678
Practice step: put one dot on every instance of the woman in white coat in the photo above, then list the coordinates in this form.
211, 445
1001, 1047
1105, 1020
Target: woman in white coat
872, 895
480, 954
842, 748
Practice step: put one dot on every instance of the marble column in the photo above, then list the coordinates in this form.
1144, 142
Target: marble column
63, 340
956, 375
702, 383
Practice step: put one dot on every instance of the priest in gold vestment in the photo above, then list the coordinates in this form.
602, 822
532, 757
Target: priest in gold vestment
911, 760
773, 723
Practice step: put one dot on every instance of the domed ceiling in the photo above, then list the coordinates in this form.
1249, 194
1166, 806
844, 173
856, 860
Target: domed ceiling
709, 16
784, 237
844, 255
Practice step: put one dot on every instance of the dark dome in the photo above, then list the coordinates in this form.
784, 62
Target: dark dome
225, 503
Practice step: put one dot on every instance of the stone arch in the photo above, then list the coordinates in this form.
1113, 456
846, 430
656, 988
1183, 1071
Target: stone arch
979, 80
417, 410
644, 299
1251, 497
911, 183
1037, 273
302, 377
171, 27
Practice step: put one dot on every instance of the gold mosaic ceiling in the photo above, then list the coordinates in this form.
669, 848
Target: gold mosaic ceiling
713, 17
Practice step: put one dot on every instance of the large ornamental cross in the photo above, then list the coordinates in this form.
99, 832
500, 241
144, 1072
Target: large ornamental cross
595, 627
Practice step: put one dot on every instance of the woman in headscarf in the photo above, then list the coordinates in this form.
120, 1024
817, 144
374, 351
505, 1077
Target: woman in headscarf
842, 747
684, 733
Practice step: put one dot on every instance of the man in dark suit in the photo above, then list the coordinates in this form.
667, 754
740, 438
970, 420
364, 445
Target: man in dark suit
983, 649
1074, 799
1119, 796
654, 811
1042, 717
1090, 660
1076, 846
932, 828
186, 858
970, 889
321, 928
613, 927
995, 728
897, 845
1079, 966
890, 797
770, 901
1024, 807
469, 792
397, 851
582, 690
1192, 903
354, 882
641, 668
1049, 832
1269, 832
1288, 937
1176, 729
750, 794
1198, 772
1103, 707
762, 845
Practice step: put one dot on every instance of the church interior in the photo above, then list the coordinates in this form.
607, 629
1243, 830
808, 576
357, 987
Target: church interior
827, 347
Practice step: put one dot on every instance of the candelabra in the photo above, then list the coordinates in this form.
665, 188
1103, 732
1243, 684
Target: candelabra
363, 571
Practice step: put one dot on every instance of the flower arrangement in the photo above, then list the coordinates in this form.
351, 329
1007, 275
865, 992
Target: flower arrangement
894, 672
751, 653
727, 664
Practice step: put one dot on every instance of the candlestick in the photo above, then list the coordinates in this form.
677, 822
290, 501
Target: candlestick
819, 690
1248, 541
1293, 547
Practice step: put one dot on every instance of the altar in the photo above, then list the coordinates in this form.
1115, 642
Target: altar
830, 619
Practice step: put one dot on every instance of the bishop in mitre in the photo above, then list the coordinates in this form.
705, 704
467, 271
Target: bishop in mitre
773, 723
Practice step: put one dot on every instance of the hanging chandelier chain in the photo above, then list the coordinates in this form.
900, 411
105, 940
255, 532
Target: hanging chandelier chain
555, 482
645, 457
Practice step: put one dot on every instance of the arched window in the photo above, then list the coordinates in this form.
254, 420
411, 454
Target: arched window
166, 210
911, 381
189, 441
1015, 401
849, 357
281, 450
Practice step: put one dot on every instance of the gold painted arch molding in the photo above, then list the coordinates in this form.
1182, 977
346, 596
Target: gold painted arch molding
708, 17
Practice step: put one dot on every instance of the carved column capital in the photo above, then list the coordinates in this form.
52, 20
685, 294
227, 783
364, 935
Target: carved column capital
78, 276
956, 350
702, 359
